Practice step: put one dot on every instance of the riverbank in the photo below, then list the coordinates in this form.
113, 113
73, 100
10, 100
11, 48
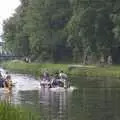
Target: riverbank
37, 69
12, 112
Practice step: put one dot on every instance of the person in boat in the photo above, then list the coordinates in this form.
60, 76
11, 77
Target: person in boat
57, 81
8, 82
64, 80
62, 75
57, 75
54, 80
46, 76
5, 75
2, 80
45, 79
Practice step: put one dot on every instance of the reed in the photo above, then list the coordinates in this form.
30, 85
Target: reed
12, 112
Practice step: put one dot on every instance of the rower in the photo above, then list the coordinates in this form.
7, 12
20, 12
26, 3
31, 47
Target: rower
1, 81
55, 80
46, 76
62, 75
64, 79
8, 82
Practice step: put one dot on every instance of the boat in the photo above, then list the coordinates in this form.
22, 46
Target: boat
58, 83
45, 83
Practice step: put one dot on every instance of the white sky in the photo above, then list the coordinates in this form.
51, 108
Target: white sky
7, 8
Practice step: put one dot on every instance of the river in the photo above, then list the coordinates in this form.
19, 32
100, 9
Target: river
90, 99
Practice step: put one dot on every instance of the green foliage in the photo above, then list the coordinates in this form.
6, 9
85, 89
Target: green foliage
11, 112
41, 28
33, 68
37, 69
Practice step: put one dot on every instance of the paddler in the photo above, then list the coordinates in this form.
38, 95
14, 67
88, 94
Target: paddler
8, 82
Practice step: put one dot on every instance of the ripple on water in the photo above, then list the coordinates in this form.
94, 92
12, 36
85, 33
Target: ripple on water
52, 103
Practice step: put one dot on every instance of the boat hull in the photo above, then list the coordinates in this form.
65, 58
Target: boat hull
61, 83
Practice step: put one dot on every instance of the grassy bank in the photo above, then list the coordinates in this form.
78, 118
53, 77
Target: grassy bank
33, 68
37, 69
10, 112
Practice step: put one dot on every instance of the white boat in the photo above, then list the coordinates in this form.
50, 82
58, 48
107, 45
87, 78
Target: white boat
61, 83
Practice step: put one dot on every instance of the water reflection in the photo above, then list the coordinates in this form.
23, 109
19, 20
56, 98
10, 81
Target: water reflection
55, 104
95, 99
96, 104
52, 105
5, 96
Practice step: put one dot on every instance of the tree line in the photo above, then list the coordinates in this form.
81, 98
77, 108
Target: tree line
64, 30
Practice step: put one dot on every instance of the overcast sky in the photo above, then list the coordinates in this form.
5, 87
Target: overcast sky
7, 8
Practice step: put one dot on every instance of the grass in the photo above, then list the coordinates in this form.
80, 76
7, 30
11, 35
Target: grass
37, 69
12, 112
33, 68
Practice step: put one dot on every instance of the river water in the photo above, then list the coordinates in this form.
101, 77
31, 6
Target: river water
90, 99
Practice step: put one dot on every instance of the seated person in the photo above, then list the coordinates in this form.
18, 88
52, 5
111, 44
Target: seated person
57, 81
54, 80
2, 83
62, 75
46, 76
8, 82
57, 76
2, 80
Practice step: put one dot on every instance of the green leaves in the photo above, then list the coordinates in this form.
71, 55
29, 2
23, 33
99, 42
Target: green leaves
70, 24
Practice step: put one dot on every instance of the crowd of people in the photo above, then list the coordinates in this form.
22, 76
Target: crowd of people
53, 80
5, 81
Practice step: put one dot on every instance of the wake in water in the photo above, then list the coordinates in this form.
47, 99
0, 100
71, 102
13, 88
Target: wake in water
27, 92
25, 82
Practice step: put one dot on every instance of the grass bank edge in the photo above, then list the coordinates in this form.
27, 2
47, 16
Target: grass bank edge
37, 69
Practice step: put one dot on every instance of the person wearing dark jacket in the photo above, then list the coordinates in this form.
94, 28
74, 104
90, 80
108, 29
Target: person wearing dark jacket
1, 81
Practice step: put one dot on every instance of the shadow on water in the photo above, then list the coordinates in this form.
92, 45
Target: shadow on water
95, 98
